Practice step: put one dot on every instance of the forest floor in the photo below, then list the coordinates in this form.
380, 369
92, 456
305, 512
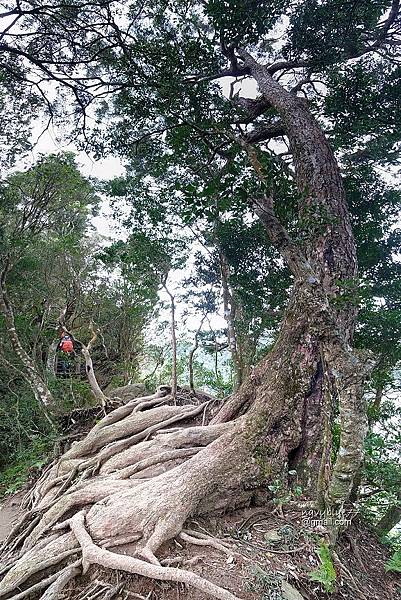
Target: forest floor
269, 556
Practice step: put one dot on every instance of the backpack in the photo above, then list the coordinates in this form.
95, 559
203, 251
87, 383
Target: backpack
67, 345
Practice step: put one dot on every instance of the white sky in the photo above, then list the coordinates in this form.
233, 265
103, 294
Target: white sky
106, 168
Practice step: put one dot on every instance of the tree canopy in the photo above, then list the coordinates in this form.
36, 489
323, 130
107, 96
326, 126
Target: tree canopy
258, 255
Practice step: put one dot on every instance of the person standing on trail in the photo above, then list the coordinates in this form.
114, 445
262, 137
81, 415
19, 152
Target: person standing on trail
66, 347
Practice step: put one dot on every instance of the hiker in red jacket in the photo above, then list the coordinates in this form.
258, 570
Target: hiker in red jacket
66, 344
66, 347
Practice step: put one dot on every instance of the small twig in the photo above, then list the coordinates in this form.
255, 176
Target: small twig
259, 516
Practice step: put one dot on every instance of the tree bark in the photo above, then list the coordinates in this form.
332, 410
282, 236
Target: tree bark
173, 342
323, 266
28, 367
391, 517
229, 307
96, 389
86, 352
51, 360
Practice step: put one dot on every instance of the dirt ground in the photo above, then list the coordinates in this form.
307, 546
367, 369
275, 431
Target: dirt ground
269, 557
10, 512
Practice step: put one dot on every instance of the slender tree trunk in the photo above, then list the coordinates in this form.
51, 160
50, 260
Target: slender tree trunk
391, 517
96, 389
28, 366
191, 366
173, 342
229, 307
52, 358
90, 373
192, 354
86, 352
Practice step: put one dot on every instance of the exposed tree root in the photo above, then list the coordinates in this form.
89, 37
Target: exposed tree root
140, 459
117, 437
55, 582
167, 440
112, 591
135, 470
139, 480
7, 566
37, 560
65, 576
200, 539
92, 492
92, 554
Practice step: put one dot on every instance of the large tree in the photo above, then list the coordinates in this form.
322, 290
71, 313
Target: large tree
165, 71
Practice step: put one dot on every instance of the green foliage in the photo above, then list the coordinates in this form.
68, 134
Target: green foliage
325, 574
24, 462
282, 493
381, 469
244, 21
52, 197
55, 267
331, 31
21, 419
358, 102
374, 206
71, 393
18, 107
157, 363
394, 563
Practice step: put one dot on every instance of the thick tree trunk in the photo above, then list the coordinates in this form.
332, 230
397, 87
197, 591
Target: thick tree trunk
324, 268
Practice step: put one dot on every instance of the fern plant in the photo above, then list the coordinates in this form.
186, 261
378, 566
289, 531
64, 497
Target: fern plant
394, 564
325, 574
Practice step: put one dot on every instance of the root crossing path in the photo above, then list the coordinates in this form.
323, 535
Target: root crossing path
133, 480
